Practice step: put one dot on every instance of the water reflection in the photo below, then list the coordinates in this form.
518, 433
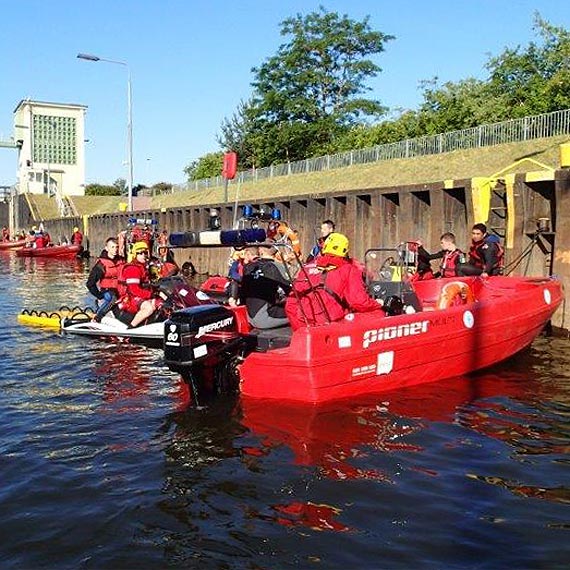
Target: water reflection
331, 437
364, 440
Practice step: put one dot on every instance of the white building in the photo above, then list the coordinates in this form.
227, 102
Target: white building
51, 142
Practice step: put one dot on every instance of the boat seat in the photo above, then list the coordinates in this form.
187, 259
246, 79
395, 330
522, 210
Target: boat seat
268, 339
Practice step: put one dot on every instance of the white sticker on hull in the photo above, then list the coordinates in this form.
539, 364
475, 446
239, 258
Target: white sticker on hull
201, 350
344, 342
468, 319
363, 370
547, 296
385, 362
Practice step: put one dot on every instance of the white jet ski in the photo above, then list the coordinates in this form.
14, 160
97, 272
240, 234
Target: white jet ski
110, 326
180, 294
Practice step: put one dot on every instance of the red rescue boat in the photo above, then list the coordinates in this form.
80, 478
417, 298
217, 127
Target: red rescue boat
59, 251
369, 354
460, 325
12, 244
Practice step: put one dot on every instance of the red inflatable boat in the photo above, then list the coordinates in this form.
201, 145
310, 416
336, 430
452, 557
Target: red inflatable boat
11, 244
60, 251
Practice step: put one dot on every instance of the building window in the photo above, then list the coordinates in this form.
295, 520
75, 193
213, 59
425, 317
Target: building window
55, 139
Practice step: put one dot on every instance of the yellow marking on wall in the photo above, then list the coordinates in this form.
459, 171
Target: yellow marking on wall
448, 184
510, 230
539, 175
481, 187
481, 198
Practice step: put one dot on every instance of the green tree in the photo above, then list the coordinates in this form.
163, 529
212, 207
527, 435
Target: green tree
452, 106
207, 166
161, 188
96, 189
522, 81
238, 134
310, 92
121, 185
535, 79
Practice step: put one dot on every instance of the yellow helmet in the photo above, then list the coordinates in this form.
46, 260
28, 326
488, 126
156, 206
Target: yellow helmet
336, 244
138, 247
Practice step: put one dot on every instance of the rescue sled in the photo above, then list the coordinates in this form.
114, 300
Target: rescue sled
52, 319
432, 330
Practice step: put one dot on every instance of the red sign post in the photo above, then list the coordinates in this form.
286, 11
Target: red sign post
229, 170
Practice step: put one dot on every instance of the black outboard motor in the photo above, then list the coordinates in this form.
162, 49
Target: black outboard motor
203, 344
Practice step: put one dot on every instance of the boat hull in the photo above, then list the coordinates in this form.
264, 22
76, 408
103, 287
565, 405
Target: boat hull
369, 353
12, 244
59, 251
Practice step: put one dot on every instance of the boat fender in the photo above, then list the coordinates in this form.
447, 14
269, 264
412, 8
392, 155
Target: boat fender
454, 294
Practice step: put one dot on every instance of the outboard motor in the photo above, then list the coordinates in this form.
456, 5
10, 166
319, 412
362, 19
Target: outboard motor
203, 344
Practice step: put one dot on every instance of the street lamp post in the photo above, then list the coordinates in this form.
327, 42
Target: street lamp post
90, 57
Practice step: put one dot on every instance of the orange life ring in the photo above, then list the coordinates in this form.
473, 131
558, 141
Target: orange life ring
455, 293
284, 233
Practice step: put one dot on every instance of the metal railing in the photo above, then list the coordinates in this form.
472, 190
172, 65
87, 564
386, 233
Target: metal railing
515, 130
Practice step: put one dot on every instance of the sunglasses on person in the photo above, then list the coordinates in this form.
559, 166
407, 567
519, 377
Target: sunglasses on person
142, 252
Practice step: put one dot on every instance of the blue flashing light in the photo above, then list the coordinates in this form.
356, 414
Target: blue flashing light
231, 238
275, 214
247, 211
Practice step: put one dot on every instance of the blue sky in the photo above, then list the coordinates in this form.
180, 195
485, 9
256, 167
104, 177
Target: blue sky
191, 64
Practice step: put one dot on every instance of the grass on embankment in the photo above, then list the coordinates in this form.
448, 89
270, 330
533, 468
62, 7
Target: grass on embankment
457, 165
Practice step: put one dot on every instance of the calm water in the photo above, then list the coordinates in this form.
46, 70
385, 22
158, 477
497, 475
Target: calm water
104, 465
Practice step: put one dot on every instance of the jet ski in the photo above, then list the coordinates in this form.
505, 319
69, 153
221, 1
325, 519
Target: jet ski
111, 326
115, 324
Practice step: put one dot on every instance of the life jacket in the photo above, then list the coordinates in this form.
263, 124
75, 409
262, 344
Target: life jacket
40, 240
311, 302
112, 268
168, 269
122, 288
477, 258
77, 238
449, 262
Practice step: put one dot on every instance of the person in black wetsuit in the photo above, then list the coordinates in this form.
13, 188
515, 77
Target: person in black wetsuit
264, 288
